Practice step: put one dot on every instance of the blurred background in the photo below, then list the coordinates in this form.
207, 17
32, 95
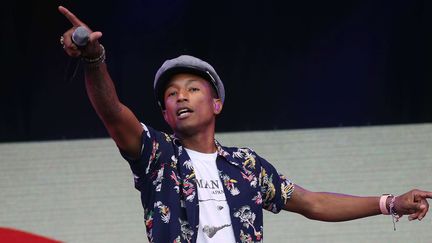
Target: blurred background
285, 64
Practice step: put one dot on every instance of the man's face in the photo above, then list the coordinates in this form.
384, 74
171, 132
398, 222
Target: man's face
190, 106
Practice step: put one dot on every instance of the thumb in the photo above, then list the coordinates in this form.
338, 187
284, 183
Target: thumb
94, 36
93, 49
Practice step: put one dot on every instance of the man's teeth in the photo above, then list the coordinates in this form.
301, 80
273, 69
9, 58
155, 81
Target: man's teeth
183, 111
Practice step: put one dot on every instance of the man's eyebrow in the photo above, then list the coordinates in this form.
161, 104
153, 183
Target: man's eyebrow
168, 86
191, 80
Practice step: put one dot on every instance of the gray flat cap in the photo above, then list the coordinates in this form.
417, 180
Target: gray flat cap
186, 64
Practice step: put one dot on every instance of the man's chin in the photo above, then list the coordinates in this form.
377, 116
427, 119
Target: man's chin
185, 129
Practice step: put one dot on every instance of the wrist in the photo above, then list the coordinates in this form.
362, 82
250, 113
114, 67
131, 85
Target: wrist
384, 203
96, 61
387, 206
388, 202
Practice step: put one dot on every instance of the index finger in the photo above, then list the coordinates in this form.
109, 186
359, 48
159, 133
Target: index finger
70, 16
425, 194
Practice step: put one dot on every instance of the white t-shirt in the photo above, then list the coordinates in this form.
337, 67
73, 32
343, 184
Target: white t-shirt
214, 214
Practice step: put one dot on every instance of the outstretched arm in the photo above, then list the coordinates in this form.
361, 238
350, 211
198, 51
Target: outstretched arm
335, 207
121, 123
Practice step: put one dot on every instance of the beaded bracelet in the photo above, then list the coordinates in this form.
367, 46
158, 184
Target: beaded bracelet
393, 213
95, 62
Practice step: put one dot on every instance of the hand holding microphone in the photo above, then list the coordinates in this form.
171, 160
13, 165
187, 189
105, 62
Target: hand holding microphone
80, 40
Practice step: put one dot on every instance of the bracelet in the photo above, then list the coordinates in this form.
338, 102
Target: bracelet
94, 62
383, 203
394, 214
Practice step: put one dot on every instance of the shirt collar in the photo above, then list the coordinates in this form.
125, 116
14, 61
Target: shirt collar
221, 151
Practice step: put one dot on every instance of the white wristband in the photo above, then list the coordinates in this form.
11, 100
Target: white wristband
383, 204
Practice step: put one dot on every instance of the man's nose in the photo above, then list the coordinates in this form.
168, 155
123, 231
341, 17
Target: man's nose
182, 95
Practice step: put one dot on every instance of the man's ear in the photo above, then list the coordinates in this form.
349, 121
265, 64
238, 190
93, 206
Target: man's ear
164, 115
217, 106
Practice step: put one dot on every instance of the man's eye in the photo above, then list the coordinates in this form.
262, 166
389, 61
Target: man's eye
193, 89
172, 93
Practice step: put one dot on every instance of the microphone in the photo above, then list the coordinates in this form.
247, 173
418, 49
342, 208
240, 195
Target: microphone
80, 37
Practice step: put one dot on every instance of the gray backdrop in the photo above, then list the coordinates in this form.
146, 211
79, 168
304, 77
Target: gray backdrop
82, 190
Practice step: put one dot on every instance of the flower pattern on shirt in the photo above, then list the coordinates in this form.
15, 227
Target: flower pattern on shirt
159, 177
186, 232
164, 211
244, 237
176, 180
148, 220
165, 177
229, 183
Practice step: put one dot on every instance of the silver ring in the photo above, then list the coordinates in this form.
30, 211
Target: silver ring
62, 41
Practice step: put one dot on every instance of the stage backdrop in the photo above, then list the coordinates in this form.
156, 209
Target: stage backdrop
82, 190
285, 64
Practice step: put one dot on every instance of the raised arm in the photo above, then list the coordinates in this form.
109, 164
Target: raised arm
334, 207
119, 120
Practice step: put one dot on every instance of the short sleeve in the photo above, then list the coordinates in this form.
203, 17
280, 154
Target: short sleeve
276, 189
149, 153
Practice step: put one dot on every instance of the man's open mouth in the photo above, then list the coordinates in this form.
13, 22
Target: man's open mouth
183, 112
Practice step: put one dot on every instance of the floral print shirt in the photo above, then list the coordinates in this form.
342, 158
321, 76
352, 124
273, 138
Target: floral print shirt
165, 177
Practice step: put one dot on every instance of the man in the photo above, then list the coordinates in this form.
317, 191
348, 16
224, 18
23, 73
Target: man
192, 188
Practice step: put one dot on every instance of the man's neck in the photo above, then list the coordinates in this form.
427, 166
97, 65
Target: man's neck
201, 142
